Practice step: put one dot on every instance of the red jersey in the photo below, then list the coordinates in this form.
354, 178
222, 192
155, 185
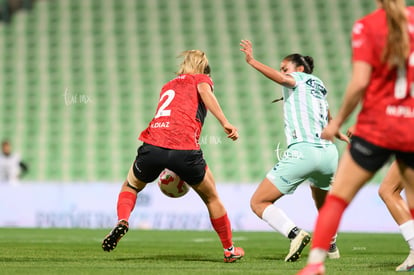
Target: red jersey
180, 114
387, 115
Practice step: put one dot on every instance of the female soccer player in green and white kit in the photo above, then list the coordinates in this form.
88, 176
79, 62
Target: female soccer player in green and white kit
308, 157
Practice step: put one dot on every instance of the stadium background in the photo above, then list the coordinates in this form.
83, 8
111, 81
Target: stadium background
79, 79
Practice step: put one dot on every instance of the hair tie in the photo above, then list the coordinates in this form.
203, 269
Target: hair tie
305, 63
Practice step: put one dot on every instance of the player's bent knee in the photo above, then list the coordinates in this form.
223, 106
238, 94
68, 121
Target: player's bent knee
385, 193
255, 207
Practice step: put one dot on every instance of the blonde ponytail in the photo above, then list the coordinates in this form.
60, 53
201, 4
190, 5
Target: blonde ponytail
397, 47
195, 62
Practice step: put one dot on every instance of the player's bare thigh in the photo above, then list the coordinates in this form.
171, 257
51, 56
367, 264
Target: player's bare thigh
207, 188
208, 193
132, 180
349, 178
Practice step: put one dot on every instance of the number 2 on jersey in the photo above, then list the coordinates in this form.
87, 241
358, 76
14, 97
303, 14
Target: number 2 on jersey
163, 111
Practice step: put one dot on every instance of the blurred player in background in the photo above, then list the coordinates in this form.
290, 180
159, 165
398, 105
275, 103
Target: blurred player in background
171, 141
308, 157
382, 76
12, 168
390, 193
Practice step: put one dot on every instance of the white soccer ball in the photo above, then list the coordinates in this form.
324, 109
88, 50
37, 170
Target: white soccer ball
171, 184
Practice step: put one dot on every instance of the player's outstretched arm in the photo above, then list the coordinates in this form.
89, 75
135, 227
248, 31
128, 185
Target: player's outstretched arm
213, 106
269, 72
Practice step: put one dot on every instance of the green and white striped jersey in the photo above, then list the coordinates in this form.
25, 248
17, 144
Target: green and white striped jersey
305, 110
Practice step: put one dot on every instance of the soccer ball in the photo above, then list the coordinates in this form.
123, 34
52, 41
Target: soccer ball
171, 184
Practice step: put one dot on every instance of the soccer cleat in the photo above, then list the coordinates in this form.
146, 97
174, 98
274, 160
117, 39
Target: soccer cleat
112, 239
408, 264
313, 269
231, 256
297, 245
333, 252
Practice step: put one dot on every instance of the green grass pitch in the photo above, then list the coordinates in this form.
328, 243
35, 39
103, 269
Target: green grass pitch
78, 251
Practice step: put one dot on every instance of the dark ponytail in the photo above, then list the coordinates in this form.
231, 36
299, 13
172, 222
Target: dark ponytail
300, 60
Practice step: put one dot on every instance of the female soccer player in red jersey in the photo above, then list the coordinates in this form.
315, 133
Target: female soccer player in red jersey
382, 77
171, 141
390, 193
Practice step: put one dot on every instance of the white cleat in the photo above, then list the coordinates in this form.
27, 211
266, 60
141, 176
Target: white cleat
297, 245
408, 264
333, 252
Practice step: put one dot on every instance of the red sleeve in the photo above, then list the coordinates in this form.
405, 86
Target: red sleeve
362, 47
203, 78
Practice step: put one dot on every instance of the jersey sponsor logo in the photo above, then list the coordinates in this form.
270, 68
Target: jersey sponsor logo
317, 90
400, 111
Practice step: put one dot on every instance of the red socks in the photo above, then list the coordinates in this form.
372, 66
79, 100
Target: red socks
328, 221
126, 203
223, 229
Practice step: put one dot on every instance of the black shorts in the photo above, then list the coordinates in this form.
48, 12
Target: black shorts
372, 157
151, 161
